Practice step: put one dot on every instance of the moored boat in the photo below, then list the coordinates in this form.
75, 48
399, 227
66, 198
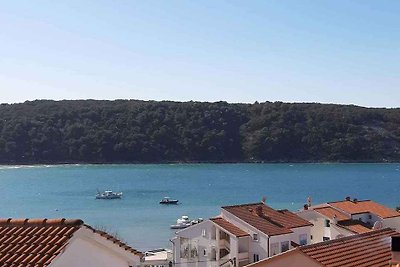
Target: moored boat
181, 223
108, 194
184, 222
167, 201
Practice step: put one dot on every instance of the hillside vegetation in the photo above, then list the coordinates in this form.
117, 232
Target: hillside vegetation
148, 131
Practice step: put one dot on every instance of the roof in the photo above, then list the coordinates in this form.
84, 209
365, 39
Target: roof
355, 226
370, 249
331, 212
236, 231
266, 219
364, 206
37, 242
115, 241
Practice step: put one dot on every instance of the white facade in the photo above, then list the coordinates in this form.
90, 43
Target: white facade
320, 231
89, 249
209, 245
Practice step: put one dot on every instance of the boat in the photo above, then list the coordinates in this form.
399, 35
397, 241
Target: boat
108, 194
167, 201
185, 222
182, 223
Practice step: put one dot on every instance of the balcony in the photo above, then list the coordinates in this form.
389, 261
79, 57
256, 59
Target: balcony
223, 243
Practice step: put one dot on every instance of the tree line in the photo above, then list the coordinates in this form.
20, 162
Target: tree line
93, 131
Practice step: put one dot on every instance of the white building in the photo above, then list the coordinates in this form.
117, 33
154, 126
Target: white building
61, 243
157, 258
349, 217
240, 235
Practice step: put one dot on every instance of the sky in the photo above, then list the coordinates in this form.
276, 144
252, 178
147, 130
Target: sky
328, 51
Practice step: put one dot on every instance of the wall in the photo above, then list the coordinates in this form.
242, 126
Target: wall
318, 230
86, 253
393, 223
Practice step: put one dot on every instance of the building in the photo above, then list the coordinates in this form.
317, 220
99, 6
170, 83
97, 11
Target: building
240, 235
61, 243
371, 249
158, 258
349, 217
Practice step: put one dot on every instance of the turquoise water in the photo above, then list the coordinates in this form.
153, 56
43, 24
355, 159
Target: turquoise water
68, 191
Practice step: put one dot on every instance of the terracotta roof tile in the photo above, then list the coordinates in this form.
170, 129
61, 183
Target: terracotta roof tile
266, 219
331, 212
355, 226
36, 242
364, 206
236, 231
370, 249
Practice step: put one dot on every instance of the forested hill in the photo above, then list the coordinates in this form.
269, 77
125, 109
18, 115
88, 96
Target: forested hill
148, 131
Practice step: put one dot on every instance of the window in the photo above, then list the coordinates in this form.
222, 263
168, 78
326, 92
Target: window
203, 232
327, 223
311, 237
284, 246
303, 239
255, 237
256, 257
274, 249
325, 238
205, 252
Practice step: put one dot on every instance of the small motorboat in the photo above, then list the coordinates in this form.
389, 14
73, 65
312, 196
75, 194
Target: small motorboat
108, 194
182, 223
167, 201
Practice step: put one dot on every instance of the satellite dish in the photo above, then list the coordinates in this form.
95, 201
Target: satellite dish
378, 225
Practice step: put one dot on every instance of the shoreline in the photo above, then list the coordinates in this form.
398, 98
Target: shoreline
20, 165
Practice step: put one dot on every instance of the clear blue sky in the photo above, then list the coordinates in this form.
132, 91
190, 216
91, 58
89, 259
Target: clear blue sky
339, 51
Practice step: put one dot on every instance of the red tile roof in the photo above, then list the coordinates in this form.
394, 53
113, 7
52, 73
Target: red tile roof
364, 206
370, 249
267, 220
331, 212
355, 226
236, 231
36, 242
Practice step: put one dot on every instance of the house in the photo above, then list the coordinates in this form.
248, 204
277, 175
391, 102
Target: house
240, 235
371, 249
61, 243
349, 217
158, 258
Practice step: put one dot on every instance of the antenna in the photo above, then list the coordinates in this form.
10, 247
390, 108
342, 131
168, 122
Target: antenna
264, 199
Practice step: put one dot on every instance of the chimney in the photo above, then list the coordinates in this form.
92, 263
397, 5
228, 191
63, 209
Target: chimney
334, 219
395, 249
305, 206
309, 201
259, 210
355, 200
347, 198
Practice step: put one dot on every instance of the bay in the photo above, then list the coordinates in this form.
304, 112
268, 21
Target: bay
67, 191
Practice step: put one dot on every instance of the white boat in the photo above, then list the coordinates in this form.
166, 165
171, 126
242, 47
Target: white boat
184, 222
108, 194
168, 201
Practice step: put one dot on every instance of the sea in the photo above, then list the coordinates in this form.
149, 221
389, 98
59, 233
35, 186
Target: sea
68, 191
